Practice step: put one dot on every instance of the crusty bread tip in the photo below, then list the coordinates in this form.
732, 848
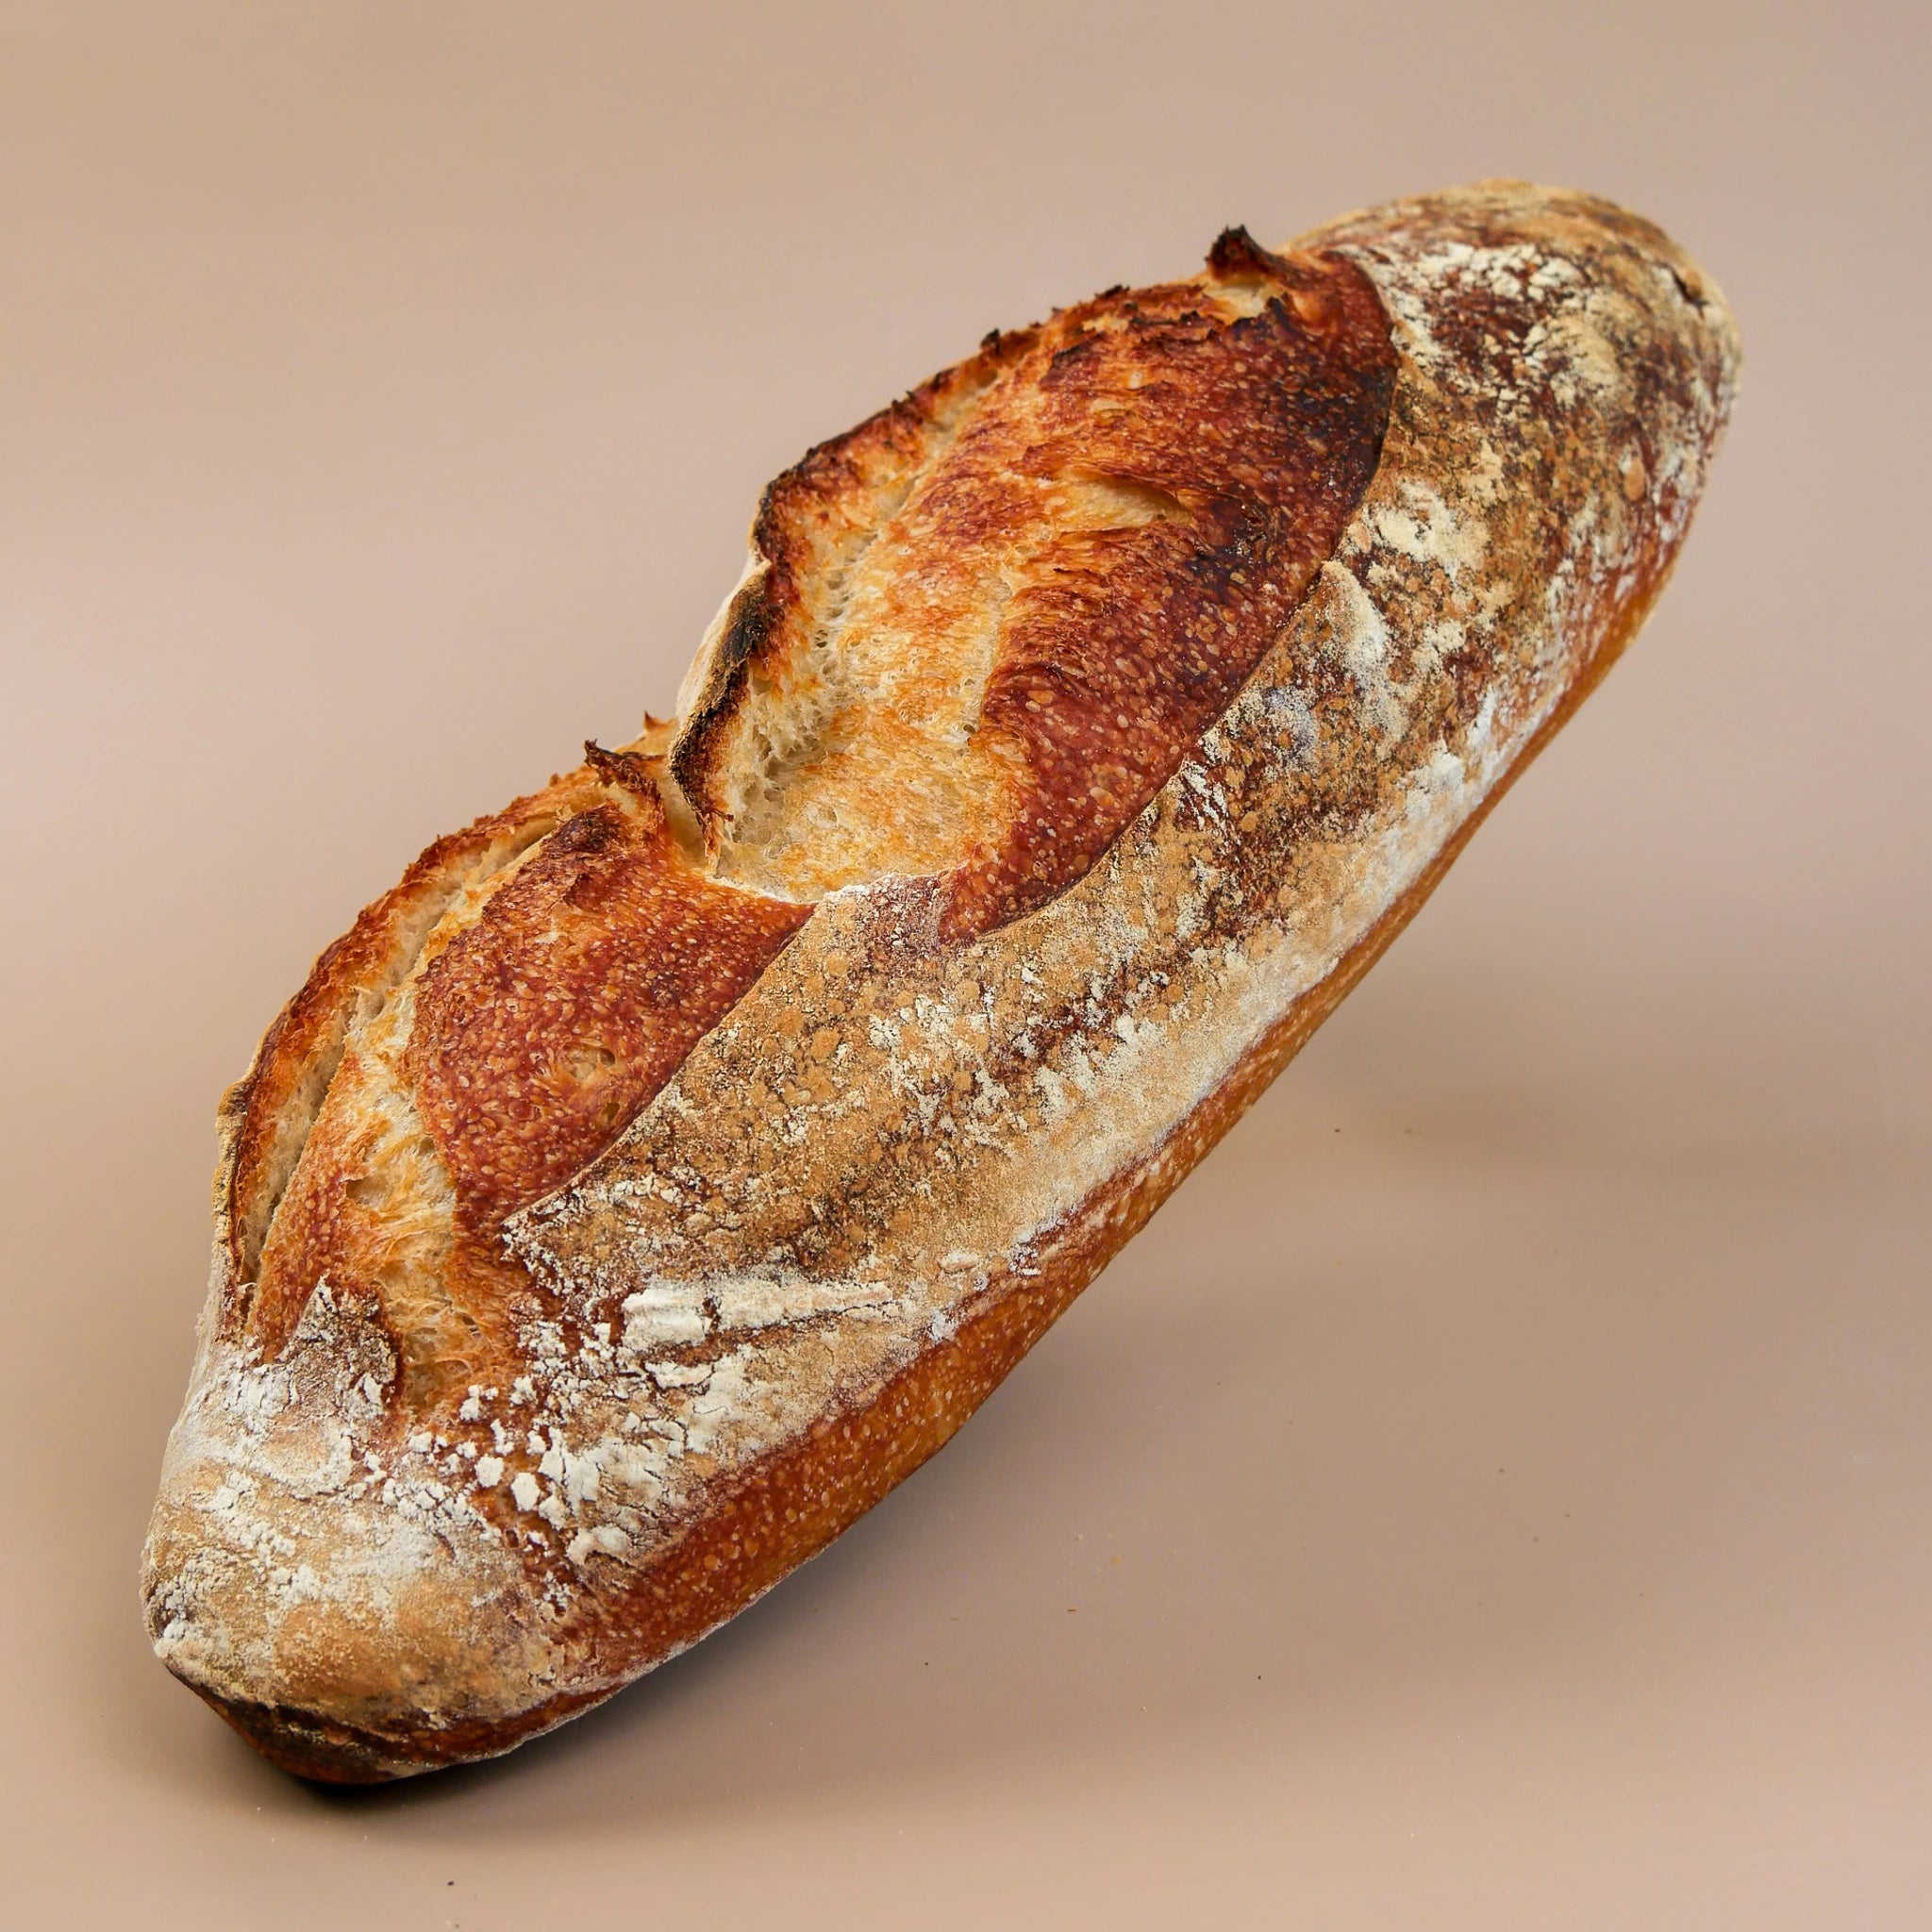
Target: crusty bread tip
673, 1161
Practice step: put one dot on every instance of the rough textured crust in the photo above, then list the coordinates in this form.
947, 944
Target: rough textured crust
980, 631
869, 1186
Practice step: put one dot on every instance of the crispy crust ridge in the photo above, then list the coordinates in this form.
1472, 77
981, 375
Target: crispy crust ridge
550, 1003
265, 1115
979, 632
813, 524
1127, 501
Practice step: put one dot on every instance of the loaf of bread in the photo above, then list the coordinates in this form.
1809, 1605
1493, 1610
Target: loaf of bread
670, 1163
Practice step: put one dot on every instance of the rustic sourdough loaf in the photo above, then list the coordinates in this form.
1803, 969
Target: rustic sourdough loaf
670, 1163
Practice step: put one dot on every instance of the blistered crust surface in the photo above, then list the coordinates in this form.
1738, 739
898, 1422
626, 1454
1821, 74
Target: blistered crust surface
979, 632
865, 1191
985, 627
553, 999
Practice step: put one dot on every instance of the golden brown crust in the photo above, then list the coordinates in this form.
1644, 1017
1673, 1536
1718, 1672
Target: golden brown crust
979, 632
543, 1028
538, 1030
268, 1111
813, 524
869, 1186
1256, 438
1222, 429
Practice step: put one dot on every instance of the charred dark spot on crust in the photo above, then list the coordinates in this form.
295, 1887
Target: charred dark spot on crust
625, 771
1692, 291
1236, 253
584, 835
753, 619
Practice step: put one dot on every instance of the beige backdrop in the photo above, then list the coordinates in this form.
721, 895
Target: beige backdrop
385, 391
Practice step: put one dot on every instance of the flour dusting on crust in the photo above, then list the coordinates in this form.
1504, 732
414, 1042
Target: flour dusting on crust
869, 1187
